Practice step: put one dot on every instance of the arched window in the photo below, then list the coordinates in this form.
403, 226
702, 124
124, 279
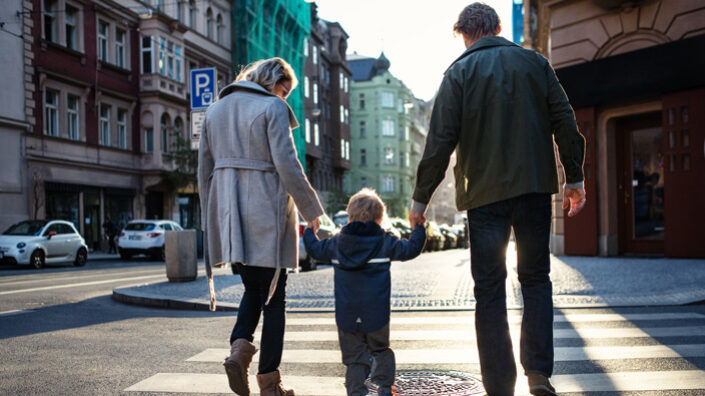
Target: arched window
178, 127
192, 14
209, 24
165, 129
219, 30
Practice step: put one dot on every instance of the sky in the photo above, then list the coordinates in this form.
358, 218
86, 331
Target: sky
416, 35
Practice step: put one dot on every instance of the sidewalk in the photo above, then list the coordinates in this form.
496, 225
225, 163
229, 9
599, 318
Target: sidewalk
442, 281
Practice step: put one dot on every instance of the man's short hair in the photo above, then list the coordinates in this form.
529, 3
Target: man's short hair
477, 20
365, 206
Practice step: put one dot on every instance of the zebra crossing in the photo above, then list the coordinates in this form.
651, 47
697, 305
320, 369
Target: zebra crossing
619, 349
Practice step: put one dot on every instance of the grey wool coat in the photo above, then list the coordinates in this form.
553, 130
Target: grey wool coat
251, 181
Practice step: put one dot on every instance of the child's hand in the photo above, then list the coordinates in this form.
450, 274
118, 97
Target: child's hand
315, 225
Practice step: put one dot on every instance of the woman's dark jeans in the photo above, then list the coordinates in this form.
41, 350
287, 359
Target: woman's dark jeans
490, 225
257, 281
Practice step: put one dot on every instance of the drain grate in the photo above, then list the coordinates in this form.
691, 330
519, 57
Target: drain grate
431, 382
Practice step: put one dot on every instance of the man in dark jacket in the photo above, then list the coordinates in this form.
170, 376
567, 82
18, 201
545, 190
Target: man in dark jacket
500, 107
362, 253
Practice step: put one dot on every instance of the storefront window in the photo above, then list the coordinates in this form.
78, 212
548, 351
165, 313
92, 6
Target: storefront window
118, 209
62, 206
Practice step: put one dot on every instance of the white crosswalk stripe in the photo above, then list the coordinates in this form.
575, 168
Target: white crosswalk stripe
590, 328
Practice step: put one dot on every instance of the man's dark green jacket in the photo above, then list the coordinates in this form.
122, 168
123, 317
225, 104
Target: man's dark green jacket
500, 107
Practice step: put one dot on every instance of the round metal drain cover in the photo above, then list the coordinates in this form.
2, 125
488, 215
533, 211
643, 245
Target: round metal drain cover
428, 382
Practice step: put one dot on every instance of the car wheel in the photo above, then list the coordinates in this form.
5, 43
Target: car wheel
37, 259
160, 255
81, 258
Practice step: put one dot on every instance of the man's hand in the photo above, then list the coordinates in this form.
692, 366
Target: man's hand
416, 218
575, 198
314, 224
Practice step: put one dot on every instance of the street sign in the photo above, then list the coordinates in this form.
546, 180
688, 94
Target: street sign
197, 118
203, 86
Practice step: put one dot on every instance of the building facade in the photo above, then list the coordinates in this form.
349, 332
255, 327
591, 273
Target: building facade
633, 72
381, 141
326, 126
108, 100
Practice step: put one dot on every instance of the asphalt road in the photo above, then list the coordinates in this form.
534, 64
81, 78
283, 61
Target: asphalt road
62, 334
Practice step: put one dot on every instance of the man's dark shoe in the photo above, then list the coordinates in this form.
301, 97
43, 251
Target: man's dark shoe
540, 385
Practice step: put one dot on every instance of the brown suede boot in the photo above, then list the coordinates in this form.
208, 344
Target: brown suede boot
270, 384
238, 364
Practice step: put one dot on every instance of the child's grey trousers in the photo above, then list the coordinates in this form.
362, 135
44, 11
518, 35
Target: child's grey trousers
357, 348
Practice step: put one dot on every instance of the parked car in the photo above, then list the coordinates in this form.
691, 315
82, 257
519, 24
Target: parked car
403, 227
460, 231
145, 237
451, 241
340, 219
40, 242
327, 230
434, 238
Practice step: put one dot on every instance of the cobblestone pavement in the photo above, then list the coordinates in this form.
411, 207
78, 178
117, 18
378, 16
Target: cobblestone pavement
442, 281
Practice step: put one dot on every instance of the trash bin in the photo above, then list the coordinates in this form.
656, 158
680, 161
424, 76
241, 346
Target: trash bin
180, 255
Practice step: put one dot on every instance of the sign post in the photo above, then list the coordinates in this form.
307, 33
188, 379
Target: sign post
203, 94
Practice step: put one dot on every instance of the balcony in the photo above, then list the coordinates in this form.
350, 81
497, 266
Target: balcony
163, 85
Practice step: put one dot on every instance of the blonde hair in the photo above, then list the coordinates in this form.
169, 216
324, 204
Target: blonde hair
269, 72
365, 206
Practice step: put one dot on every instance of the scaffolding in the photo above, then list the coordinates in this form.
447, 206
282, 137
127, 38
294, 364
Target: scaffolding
269, 28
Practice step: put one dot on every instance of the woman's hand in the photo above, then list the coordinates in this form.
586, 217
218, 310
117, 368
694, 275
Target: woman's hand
314, 224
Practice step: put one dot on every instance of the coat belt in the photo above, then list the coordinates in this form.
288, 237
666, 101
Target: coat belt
244, 163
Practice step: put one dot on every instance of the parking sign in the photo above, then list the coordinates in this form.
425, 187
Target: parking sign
203, 86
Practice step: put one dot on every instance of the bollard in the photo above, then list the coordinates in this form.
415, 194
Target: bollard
180, 255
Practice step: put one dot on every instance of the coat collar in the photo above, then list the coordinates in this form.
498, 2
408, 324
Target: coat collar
256, 88
483, 43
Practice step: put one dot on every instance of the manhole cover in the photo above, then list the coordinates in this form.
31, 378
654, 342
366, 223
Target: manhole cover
427, 382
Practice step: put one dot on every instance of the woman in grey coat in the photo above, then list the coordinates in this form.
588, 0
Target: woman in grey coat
251, 184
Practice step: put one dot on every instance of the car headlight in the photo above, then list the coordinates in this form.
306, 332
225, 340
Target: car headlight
21, 245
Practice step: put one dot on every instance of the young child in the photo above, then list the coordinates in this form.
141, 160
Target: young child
361, 254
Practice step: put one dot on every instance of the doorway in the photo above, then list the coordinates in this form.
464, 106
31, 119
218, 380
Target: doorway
91, 220
641, 184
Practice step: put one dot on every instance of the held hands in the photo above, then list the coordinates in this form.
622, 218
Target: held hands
416, 218
314, 224
575, 198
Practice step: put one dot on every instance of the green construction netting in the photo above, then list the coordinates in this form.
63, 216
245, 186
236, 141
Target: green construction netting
269, 28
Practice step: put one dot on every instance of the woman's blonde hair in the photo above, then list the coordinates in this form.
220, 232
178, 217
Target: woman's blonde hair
269, 72
365, 206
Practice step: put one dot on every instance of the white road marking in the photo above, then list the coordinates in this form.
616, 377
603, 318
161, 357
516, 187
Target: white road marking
218, 383
470, 355
16, 312
469, 319
74, 276
469, 334
82, 284
332, 386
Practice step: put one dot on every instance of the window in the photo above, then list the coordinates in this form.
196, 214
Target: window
388, 155
122, 128
104, 125
363, 127
177, 63
192, 14
388, 184
219, 30
347, 116
406, 159
102, 41
170, 59
342, 114
406, 132
388, 127
71, 25
388, 99
165, 133
305, 46
315, 92
147, 67
346, 84
363, 157
51, 113
209, 24
158, 5
362, 101
50, 33
341, 80
148, 140
363, 182
180, 11
72, 116
120, 48
306, 88
316, 135
308, 130
342, 148
178, 127
400, 106
315, 55
347, 150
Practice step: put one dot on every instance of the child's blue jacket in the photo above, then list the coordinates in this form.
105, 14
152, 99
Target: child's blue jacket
361, 254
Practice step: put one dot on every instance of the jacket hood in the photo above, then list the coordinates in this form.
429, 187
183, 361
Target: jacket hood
254, 87
483, 43
358, 243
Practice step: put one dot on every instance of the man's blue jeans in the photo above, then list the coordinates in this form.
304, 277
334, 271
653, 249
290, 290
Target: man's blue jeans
489, 229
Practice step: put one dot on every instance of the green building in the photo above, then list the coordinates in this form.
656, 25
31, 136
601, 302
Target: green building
380, 139
269, 28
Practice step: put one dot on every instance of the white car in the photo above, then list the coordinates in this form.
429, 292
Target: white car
40, 242
145, 237
327, 230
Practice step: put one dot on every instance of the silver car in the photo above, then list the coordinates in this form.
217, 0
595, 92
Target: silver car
40, 242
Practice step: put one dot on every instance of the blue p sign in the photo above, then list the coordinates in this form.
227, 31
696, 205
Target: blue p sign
202, 88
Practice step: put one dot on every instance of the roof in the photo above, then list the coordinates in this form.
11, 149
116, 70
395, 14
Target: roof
361, 67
